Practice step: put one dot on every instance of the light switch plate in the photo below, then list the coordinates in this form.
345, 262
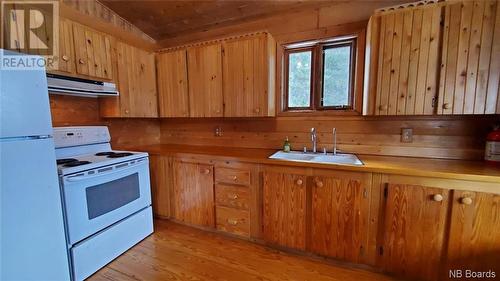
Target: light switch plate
406, 135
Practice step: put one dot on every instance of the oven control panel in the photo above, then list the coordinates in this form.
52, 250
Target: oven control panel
73, 136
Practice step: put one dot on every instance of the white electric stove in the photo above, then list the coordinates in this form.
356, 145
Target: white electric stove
106, 196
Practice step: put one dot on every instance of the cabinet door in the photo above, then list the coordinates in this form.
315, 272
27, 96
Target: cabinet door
93, 52
340, 212
470, 70
414, 229
136, 82
161, 184
248, 67
66, 59
193, 196
173, 84
284, 218
405, 57
205, 81
474, 241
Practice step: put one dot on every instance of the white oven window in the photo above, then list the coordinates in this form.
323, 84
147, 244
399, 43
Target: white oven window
109, 196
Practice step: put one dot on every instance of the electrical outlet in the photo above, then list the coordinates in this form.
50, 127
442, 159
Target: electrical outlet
406, 135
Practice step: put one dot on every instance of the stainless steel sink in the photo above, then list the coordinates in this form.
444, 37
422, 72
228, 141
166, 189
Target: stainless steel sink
339, 158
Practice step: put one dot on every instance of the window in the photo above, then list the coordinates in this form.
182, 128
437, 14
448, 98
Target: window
320, 75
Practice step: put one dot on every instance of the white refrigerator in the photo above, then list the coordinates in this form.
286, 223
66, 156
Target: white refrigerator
33, 240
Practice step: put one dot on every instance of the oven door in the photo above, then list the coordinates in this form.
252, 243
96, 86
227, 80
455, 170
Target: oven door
100, 197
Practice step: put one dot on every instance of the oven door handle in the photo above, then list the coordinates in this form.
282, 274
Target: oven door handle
111, 171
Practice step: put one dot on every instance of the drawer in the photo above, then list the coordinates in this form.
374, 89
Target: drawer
232, 176
233, 220
232, 196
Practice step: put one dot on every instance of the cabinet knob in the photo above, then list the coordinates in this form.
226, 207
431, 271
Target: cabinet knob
437, 197
217, 111
319, 183
65, 58
234, 196
299, 182
446, 106
81, 61
206, 171
466, 200
257, 110
127, 111
235, 178
232, 221
89, 41
382, 107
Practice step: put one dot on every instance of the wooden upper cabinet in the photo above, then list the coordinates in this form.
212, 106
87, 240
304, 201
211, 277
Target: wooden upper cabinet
474, 241
66, 58
92, 52
193, 193
414, 231
173, 97
284, 213
248, 82
438, 58
205, 81
470, 69
340, 213
404, 61
136, 82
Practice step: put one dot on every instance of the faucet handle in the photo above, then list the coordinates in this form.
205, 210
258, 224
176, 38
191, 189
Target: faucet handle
305, 149
324, 150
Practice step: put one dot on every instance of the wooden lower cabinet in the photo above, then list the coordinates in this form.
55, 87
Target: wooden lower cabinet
231, 220
193, 193
284, 214
161, 182
340, 212
414, 230
474, 241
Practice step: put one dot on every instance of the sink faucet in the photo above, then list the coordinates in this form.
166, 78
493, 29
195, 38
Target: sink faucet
334, 141
314, 139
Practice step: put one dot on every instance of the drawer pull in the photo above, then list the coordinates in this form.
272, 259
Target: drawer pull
81, 61
235, 178
466, 200
437, 197
232, 221
233, 196
65, 58
206, 171
299, 182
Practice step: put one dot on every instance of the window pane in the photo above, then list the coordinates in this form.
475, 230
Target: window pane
299, 79
336, 76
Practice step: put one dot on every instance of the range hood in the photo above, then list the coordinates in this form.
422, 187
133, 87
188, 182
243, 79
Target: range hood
65, 85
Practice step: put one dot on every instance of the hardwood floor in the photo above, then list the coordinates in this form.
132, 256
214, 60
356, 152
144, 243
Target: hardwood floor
177, 252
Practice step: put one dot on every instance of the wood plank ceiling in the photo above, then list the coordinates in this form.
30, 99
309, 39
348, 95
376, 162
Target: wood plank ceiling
164, 19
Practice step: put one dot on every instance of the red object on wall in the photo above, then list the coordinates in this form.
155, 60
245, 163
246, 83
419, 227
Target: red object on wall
492, 151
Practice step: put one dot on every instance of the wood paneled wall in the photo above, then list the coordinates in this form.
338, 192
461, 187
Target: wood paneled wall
435, 137
78, 111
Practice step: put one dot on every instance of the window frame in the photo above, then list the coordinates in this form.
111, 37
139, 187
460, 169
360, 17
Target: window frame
351, 42
354, 34
287, 73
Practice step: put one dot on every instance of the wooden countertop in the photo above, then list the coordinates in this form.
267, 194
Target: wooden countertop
439, 168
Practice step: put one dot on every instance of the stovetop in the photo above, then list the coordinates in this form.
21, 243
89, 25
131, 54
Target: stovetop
69, 164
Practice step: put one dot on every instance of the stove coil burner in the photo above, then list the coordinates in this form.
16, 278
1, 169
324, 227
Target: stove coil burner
120, 154
76, 163
65, 161
105, 153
